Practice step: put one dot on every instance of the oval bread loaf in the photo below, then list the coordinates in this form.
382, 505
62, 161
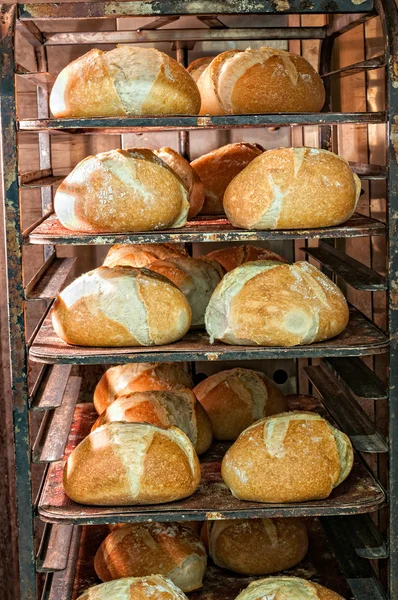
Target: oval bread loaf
290, 457
154, 587
132, 464
121, 307
291, 188
263, 80
138, 549
122, 191
128, 80
268, 303
287, 588
235, 256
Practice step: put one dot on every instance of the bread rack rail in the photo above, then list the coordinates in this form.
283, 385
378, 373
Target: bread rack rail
60, 565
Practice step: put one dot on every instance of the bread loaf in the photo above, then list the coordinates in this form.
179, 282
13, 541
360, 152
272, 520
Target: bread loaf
122, 191
130, 464
218, 168
263, 80
257, 546
121, 307
195, 277
268, 303
196, 68
286, 588
162, 408
138, 549
290, 457
235, 256
234, 399
189, 177
138, 377
292, 188
128, 80
154, 587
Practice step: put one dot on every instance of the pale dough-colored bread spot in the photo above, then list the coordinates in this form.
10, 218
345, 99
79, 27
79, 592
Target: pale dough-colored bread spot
286, 588
153, 587
196, 68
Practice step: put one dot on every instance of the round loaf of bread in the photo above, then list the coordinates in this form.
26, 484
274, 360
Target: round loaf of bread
196, 68
262, 80
257, 546
139, 549
122, 191
235, 256
154, 587
132, 463
287, 588
292, 188
268, 303
290, 457
121, 307
128, 80
218, 168
234, 399
197, 278
138, 377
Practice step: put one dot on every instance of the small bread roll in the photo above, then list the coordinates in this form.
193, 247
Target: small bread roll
138, 549
290, 457
196, 68
234, 399
287, 588
154, 587
128, 80
218, 168
122, 191
262, 80
292, 188
189, 177
132, 463
267, 303
257, 546
121, 307
138, 377
197, 278
235, 256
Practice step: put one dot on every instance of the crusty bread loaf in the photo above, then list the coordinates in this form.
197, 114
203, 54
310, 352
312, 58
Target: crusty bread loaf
197, 278
121, 307
196, 68
138, 377
234, 399
235, 256
128, 80
154, 587
139, 549
287, 588
292, 188
162, 408
132, 463
189, 177
218, 168
262, 80
257, 546
269, 303
290, 457
122, 191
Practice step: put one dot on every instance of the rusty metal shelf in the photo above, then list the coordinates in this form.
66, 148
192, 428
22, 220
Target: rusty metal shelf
54, 548
49, 388
359, 67
53, 276
362, 381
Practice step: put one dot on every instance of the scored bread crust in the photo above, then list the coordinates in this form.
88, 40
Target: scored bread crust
153, 587
287, 588
196, 67
290, 457
132, 464
235, 256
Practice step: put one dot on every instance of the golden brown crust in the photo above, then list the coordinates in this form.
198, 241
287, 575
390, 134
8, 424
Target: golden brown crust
235, 256
196, 68
208, 84
153, 587
205, 430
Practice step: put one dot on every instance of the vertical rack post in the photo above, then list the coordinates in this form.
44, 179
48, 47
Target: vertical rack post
183, 136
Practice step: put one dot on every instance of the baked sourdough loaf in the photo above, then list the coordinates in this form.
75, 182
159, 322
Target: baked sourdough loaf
122, 191
263, 80
163, 408
154, 587
127, 80
257, 546
287, 588
290, 457
130, 464
138, 549
218, 168
121, 307
196, 68
197, 278
291, 188
269, 303
234, 399
235, 256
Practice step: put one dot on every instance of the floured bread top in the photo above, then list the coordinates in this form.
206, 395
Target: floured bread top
280, 588
153, 587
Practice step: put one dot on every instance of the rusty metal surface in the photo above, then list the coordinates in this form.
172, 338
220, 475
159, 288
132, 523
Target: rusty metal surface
50, 391
361, 380
51, 279
54, 548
